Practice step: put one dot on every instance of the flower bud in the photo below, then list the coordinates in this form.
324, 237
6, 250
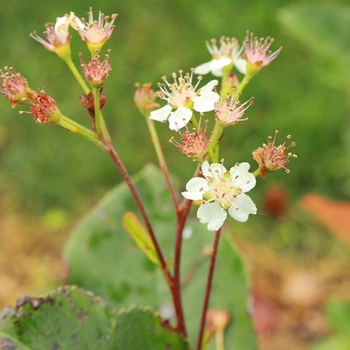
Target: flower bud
144, 98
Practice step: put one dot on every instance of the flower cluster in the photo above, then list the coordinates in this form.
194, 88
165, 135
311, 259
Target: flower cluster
221, 191
94, 33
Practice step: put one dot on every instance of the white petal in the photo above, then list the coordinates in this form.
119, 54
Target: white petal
161, 114
217, 72
241, 65
220, 64
208, 87
205, 102
203, 68
204, 168
211, 170
211, 214
179, 118
195, 188
77, 24
242, 207
242, 178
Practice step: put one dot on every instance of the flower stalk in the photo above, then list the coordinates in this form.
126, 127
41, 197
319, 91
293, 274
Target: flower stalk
208, 289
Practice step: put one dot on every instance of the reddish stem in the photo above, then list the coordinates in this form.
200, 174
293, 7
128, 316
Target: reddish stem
117, 161
208, 289
182, 214
177, 285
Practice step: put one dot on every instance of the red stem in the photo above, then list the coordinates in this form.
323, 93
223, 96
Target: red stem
208, 288
117, 161
177, 285
182, 214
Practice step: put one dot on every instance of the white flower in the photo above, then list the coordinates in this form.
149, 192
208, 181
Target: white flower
57, 35
182, 96
222, 56
222, 190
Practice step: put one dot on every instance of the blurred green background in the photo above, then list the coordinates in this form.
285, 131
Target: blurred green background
304, 92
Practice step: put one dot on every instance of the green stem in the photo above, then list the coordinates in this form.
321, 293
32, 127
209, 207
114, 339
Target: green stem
256, 173
101, 128
214, 142
161, 160
77, 75
77, 128
242, 85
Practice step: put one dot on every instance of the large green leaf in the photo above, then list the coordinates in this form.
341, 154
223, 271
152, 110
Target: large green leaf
75, 319
103, 258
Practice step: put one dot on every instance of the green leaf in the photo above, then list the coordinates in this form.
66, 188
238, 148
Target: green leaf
101, 257
141, 329
75, 319
140, 235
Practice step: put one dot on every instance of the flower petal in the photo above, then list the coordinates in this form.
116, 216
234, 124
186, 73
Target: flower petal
208, 87
242, 178
195, 188
203, 68
161, 114
211, 214
211, 170
179, 118
205, 102
220, 64
217, 72
241, 65
242, 207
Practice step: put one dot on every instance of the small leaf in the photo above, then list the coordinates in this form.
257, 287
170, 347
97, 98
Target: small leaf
140, 235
